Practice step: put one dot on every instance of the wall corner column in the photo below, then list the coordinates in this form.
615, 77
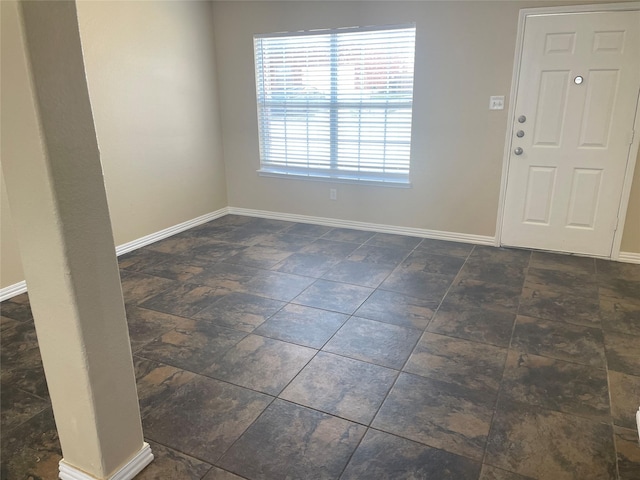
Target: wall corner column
52, 170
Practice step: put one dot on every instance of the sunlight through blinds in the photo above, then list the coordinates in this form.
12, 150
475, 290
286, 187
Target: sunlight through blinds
336, 104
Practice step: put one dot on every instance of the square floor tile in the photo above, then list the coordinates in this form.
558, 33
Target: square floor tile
193, 346
470, 294
571, 283
142, 259
383, 456
628, 452
439, 414
7, 323
486, 326
259, 256
204, 417
184, 300
427, 286
285, 242
390, 240
545, 444
348, 235
623, 353
611, 269
156, 381
398, 309
146, 325
627, 291
338, 297
178, 244
17, 308
218, 474
357, 273
556, 385
261, 364
179, 268
562, 341
565, 263
276, 285
246, 235
138, 287
226, 276
240, 311
620, 317
375, 342
308, 229
328, 248
492, 473
169, 463
561, 307
20, 361
513, 256
341, 386
17, 406
625, 392
493, 271
444, 247
423, 261
379, 255
212, 252
290, 441
306, 264
471, 364
31, 450
310, 327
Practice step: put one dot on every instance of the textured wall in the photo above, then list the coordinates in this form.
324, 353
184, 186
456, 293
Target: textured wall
464, 54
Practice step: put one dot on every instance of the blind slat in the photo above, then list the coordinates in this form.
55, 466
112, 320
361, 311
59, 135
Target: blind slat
336, 103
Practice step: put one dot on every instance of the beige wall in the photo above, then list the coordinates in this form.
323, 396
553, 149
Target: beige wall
152, 81
631, 238
11, 266
464, 54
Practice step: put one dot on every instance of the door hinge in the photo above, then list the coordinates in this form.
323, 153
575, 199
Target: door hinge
633, 136
615, 225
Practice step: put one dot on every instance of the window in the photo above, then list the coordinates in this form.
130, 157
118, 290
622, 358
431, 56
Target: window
336, 104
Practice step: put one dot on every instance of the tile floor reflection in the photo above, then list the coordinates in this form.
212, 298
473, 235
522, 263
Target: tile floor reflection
269, 350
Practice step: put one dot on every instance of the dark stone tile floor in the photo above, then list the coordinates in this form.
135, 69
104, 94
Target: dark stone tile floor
272, 350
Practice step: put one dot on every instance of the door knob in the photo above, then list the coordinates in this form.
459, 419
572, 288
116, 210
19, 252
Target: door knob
518, 151
522, 119
519, 134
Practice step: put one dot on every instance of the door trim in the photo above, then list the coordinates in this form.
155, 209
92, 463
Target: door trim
633, 148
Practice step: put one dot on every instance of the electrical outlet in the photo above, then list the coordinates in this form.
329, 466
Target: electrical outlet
496, 102
333, 194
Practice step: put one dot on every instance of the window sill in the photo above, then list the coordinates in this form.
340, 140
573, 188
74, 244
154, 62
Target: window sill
353, 181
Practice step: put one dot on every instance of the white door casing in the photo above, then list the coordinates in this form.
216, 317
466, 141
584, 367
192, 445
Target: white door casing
565, 186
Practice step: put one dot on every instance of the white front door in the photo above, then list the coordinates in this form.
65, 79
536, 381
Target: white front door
573, 126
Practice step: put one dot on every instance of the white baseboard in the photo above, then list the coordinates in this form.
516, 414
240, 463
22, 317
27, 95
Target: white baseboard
16, 289
167, 232
376, 227
127, 472
12, 290
629, 257
21, 287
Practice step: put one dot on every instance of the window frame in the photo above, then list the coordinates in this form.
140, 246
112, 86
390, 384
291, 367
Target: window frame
333, 173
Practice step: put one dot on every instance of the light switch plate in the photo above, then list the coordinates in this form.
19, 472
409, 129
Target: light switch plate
496, 102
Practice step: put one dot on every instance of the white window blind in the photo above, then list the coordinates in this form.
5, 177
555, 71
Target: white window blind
336, 104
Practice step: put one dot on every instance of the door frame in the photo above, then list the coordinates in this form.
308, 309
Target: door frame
633, 147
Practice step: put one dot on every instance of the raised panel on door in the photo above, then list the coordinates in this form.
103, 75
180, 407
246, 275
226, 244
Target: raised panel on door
598, 108
549, 114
